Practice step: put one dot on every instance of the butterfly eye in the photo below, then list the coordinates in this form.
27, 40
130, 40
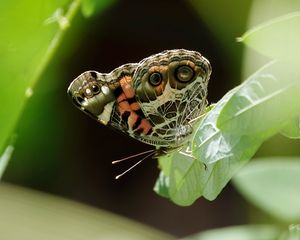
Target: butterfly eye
155, 79
95, 89
184, 73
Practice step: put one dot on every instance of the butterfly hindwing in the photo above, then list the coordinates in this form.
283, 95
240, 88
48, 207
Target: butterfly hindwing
171, 88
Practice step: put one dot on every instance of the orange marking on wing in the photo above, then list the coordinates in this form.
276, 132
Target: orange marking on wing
124, 106
132, 119
160, 89
145, 125
135, 106
126, 85
121, 98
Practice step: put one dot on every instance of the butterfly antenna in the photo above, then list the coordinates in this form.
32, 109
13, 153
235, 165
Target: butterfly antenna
132, 156
134, 165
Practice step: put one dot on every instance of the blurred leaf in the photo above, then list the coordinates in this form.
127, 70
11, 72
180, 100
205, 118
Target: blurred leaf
278, 38
273, 185
262, 12
30, 33
292, 128
90, 7
247, 232
30, 215
263, 103
293, 233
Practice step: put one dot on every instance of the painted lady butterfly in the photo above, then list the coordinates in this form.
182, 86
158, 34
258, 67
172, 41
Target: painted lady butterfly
154, 101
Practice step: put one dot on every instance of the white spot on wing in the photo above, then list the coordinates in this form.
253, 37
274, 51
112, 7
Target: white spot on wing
105, 90
104, 117
88, 91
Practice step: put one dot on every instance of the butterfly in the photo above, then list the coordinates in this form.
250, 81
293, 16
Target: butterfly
155, 101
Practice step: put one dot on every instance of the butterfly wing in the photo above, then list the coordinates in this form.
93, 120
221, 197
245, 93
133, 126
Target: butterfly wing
171, 88
154, 101
96, 94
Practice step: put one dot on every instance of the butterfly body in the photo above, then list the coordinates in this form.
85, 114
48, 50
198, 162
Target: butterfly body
154, 101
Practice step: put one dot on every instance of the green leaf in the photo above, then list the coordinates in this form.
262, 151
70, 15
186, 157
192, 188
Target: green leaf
161, 186
247, 232
30, 33
182, 175
272, 184
187, 179
223, 152
211, 144
31, 215
263, 103
278, 38
292, 128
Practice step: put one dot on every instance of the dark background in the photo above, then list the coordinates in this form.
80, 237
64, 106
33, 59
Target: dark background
62, 151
